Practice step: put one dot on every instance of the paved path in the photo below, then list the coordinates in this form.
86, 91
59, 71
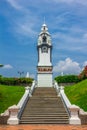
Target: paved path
43, 127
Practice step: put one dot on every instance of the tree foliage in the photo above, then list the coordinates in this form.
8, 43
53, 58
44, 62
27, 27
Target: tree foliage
15, 81
83, 74
67, 79
1, 65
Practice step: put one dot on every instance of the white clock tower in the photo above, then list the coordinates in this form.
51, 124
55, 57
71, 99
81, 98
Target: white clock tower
44, 67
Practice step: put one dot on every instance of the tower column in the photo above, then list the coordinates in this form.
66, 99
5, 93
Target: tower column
44, 67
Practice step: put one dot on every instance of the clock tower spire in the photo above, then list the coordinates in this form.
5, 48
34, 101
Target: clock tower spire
44, 67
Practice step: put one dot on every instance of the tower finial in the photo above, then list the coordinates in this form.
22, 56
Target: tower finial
44, 19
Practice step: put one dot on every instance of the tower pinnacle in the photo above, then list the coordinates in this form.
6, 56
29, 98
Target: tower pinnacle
44, 19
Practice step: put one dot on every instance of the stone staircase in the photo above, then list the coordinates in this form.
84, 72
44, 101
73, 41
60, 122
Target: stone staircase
44, 107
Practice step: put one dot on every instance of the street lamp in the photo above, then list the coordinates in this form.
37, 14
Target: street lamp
20, 73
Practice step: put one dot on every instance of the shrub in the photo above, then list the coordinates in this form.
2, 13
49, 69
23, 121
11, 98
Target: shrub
67, 79
15, 81
83, 74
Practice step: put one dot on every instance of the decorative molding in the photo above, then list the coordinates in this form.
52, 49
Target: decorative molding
44, 69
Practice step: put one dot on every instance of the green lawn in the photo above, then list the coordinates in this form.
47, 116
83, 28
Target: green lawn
10, 95
77, 94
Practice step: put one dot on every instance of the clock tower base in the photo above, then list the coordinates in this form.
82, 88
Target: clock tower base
44, 80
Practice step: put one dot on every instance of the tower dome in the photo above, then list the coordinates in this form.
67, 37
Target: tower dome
44, 27
44, 35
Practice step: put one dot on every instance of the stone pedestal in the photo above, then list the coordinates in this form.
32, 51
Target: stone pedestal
74, 119
13, 112
44, 79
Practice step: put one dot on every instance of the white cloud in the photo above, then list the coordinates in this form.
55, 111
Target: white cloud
26, 25
26, 29
75, 39
85, 36
14, 3
67, 67
65, 1
83, 2
85, 63
7, 66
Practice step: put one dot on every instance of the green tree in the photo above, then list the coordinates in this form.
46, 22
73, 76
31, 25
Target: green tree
1, 65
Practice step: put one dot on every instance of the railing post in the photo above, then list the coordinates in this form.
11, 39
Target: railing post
33, 86
64, 97
13, 112
57, 88
29, 88
74, 118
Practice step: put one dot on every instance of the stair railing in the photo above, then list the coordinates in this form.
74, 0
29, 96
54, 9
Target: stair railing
25, 98
60, 92
72, 109
57, 87
65, 100
33, 87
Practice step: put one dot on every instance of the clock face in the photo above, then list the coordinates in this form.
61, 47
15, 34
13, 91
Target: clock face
44, 49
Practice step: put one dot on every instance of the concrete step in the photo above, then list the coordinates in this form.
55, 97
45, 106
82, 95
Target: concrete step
45, 121
44, 107
53, 116
45, 114
44, 117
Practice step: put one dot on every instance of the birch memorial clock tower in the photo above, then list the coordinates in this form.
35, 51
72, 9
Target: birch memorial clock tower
44, 67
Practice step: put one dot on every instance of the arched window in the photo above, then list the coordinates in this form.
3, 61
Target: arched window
44, 39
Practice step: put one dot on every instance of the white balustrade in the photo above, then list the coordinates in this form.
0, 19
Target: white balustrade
74, 118
57, 88
24, 99
64, 97
13, 112
73, 110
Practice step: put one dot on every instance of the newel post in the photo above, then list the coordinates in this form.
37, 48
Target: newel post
13, 112
74, 112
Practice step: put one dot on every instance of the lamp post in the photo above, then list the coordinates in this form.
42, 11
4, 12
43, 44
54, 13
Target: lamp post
20, 73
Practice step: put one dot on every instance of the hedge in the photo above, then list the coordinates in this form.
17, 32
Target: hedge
15, 81
67, 79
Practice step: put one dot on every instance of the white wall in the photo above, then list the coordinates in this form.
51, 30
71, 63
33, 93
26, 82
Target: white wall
44, 58
44, 80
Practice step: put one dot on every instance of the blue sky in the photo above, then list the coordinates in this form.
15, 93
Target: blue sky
20, 24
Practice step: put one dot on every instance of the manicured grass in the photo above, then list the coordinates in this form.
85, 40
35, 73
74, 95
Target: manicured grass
77, 94
10, 95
